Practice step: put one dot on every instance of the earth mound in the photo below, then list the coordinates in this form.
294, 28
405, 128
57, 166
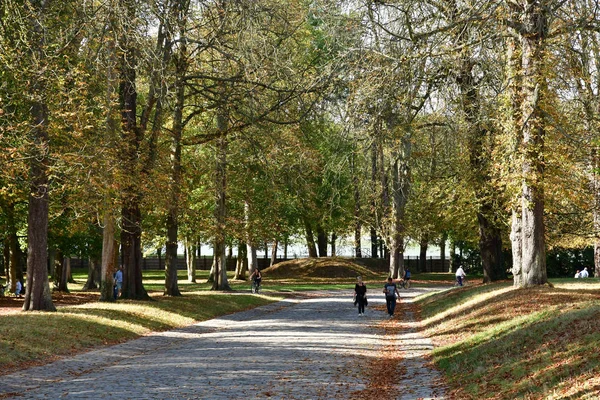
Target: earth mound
330, 267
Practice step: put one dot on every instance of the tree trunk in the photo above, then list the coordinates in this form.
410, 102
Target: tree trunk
357, 210
110, 255
220, 282
322, 241
213, 270
374, 243
423, 254
452, 267
190, 261
171, 284
37, 290
63, 275
242, 262
443, 241
333, 247
310, 239
93, 277
534, 27
274, 252
595, 184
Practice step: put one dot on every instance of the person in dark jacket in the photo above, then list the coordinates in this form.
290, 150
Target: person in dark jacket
360, 295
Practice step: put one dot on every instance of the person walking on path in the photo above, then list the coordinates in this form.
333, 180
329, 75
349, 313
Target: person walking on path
460, 275
406, 278
360, 294
391, 290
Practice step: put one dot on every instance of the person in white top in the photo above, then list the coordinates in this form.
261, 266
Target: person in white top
585, 273
577, 274
460, 274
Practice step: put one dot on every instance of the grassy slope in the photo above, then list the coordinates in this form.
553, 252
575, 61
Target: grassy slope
497, 342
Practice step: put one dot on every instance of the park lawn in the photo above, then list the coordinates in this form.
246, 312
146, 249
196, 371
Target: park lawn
498, 342
35, 338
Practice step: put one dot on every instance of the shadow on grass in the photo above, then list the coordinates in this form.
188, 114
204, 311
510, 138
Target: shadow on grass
518, 343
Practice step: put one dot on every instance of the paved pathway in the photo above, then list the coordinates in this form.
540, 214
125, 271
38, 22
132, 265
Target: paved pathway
309, 348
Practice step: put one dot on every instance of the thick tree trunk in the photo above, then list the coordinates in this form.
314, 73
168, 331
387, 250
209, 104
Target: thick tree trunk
533, 249
374, 243
322, 241
110, 257
37, 293
252, 258
310, 239
452, 265
63, 275
443, 241
93, 278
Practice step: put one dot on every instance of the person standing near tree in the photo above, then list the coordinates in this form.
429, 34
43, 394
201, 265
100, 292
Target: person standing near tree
118, 282
360, 294
391, 290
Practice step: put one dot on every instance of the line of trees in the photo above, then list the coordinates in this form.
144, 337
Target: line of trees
129, 124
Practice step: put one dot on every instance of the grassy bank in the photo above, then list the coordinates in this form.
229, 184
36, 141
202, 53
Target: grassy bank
497, 342
39, 337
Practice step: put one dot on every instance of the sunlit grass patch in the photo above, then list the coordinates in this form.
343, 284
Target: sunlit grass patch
503, 343
41, 336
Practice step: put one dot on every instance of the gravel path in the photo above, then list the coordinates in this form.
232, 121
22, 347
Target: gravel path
310, 348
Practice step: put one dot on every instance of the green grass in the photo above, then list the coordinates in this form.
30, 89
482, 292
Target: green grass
498, 342
40, 336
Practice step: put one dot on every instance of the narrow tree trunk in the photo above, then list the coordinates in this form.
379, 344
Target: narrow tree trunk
452, 265
333, 240
357, 211
596, 212
220, 282
274, 252
190, 261
242, 262
171, 284
423, 254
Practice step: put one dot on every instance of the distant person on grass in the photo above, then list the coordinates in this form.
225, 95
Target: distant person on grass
360, 295
585, 273
391, 290
118, 282
460, 275
577, 274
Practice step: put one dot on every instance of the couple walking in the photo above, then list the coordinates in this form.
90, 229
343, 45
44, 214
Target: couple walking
360, 295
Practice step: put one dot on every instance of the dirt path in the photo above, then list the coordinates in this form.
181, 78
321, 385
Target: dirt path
311, 348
